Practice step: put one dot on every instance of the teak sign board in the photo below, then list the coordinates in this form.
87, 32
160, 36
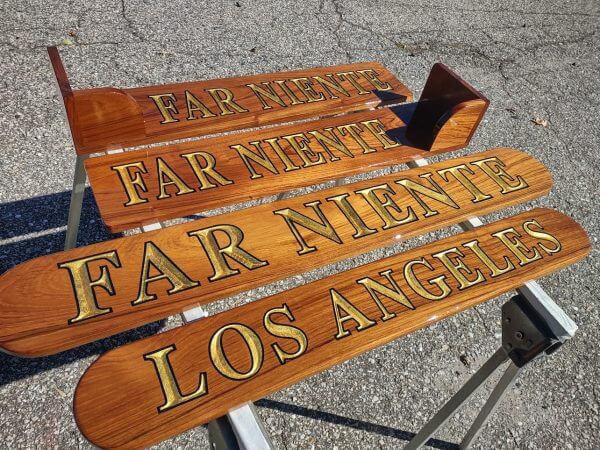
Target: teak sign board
66, 299
149, 390
146, 186
105, 118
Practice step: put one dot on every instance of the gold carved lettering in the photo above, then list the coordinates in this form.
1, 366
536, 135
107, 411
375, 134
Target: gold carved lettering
351, 312
216, 254
83, 285
208, 170
458, 268
193, 105
168, 177
285, 331
220, 361
166, 105
374, 287
266, 93
418, 287
168, 383
224, 100
494, 168
458, 172
322, 228
510, 238
130, 184
437, 193
382, 207
155, 258
261, 159
350, 213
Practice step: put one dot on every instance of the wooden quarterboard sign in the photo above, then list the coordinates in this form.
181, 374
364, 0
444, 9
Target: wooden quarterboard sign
66, 299
146, 186
109, 117
160, 386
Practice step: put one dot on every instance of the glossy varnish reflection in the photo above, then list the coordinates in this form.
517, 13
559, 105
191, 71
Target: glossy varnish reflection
152, 389
146, 186
66, 299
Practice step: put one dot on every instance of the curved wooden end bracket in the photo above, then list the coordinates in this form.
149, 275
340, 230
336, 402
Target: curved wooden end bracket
447, 113
64, 89
106, 118
99, 119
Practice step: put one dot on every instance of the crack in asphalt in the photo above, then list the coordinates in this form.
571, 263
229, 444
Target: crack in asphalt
129, 23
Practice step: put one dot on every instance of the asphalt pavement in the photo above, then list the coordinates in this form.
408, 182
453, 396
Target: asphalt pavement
538, 63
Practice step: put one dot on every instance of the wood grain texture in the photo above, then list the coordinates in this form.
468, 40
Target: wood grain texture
455, 130
244, 178
37, 298
106, 118
117, 400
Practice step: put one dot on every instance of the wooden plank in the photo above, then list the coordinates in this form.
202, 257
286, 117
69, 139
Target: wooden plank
256, 349
59, 301
146, 186
107, 118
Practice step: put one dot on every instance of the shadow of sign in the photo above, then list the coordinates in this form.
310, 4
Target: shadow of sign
36, 226
13, 368
352, 423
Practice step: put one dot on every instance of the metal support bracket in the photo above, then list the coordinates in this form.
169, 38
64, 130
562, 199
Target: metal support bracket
79, 178
525, 337
532, 325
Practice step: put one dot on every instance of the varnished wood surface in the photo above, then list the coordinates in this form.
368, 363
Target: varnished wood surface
106, 118
37, 298
117, 400
243, 178
448, 112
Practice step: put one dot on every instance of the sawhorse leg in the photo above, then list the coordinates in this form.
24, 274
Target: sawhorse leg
79, 179
551, 326
442, 416
508, 379
525, 337
480, 377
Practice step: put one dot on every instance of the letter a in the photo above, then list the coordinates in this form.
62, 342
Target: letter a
351, 313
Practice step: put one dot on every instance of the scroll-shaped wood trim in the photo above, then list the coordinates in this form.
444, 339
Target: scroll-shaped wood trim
448, 112
59, 301
64, 89
135, 188
455, 130
107, 118
251, 351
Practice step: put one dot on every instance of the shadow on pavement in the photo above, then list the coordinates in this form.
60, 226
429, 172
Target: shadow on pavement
43, 214
349, 422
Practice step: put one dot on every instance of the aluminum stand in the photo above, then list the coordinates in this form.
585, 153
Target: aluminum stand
525, 336
547, 327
